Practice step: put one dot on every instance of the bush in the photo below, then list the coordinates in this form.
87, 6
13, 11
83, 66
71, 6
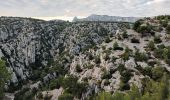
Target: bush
106, 82
161, 46
124, 86
40, 96
134, 40
164, 23
4, 77
106, 57
158, 53
47, 97
78, 68
144, 29
140, 56
113, 59
137, 25
116, 47
66, 96
107, 40
151, 45
157, 39
121, 68
157, 73
90, 56
55, 84
125, 35
72, 86
168, 29
89, 66
106, 75
126, 54
125, 76
97, 60
20, 95
147, 71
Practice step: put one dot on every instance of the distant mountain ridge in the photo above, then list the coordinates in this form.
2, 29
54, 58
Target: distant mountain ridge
95, 17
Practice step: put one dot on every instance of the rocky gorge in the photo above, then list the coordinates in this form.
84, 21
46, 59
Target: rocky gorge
81, 58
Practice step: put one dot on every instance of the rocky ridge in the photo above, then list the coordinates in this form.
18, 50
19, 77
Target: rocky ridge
93, 56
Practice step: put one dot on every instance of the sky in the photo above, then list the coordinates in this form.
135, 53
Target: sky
67, 9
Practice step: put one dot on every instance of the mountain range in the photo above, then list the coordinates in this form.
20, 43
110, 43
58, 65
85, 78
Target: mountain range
95, 17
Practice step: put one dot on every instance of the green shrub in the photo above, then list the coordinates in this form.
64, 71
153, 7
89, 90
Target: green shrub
140, 56
106, 75
158, 53
157, 39
144, 29
106, 82
113, 59
4, 77
137, 24
55, 84
116, 46
125, 76
107, 40
97, 59
121, 68
47, 97
157, 73
125, 35
134, 40
72, 86
78, 68
147, 71
124, 86
168, 29
106, 57
164, 23
126, 54
40, 96
20, 95
151, 45
66, 96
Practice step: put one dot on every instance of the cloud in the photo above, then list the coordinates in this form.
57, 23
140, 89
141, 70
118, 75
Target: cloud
70, 8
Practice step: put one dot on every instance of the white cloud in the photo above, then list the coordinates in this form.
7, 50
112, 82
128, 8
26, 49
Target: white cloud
71, 8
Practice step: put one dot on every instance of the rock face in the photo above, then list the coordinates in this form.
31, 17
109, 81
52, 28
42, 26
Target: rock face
94, 17
27, 44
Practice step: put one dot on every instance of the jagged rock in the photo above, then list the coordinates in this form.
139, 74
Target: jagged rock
119, 61
136, 80
142, 64
130, 64
27, 42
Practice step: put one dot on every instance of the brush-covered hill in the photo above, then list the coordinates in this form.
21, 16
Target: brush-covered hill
86, 60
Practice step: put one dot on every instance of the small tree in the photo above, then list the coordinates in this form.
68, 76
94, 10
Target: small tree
4, 76
157, 73
97, 60
115, 45
66, 96
157, 39
107, 40
78, 68
125, 35
168, 29
151, 45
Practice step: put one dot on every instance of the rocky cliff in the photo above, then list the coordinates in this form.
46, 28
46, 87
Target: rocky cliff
28, 44
77, 60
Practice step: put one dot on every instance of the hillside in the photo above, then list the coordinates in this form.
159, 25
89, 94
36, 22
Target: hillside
86, 60
107, 18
